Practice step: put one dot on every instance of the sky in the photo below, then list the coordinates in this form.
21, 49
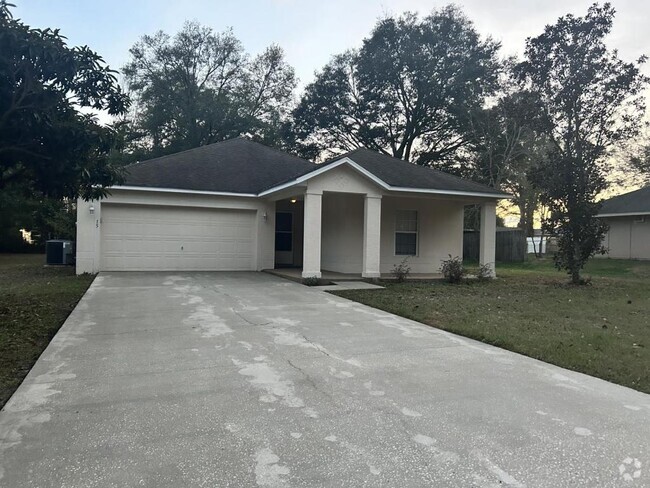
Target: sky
310, 31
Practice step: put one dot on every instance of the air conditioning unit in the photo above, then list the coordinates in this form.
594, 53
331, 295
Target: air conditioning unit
58, 252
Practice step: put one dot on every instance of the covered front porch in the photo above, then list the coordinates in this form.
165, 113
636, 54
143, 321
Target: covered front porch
352, 235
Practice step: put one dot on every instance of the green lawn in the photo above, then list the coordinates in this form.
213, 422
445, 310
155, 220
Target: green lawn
602, 329
34, 302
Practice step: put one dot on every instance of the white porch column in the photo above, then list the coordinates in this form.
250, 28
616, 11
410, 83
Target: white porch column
371, 236
487, 249
312, 234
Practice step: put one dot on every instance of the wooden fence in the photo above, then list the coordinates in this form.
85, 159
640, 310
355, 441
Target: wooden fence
510, 245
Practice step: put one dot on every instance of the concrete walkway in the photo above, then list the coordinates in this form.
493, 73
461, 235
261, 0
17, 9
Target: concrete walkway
245, 379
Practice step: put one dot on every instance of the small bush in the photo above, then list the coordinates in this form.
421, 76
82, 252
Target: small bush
485, 272
311, 281
452, 269
401, 271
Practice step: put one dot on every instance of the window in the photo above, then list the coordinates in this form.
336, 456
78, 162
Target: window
406, 233
283, 231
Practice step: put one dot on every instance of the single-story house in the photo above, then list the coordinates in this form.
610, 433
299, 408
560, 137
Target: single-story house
239, 205
628, 217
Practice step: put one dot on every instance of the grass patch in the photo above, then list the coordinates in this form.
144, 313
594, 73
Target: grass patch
34, 303
602, 330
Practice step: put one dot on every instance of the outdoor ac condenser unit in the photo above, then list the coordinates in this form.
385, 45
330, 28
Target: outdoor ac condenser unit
58, 251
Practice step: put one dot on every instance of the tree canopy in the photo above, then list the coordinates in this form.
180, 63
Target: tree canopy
49, 145
406, 92
200, 86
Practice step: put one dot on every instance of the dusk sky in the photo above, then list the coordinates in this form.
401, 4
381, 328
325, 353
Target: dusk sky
309, 31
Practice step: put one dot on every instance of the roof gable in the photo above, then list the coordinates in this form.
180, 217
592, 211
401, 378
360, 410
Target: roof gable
345, 178
402, 174
394, 174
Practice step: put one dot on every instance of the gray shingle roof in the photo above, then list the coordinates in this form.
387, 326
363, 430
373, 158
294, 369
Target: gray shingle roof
243, 166
399, 173
234, 166
635, 202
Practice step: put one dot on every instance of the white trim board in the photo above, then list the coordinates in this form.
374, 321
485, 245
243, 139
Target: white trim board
176, 190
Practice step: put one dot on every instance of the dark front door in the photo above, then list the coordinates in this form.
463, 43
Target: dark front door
284, 239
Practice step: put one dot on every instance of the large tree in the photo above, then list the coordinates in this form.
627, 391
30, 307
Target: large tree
48, 146
592, 101
507, 143
199, 87
406, 92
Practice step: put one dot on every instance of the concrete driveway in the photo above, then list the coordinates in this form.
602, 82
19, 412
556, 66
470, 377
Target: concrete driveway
244, 379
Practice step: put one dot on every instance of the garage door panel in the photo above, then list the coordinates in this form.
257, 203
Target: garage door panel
146, 238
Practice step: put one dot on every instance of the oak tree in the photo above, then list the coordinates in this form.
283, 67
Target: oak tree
406, 92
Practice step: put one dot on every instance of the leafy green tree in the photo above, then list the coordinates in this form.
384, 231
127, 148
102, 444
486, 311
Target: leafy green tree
406, 92
592, 101
48, 147
199, 87
507, 143
268, 87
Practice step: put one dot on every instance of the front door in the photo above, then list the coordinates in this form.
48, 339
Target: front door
284, 239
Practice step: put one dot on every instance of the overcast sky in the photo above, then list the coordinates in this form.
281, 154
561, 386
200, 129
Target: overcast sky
310, 31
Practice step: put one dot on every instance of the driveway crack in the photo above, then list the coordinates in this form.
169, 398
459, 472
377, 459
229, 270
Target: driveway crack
319, 348
248, 321
310, 380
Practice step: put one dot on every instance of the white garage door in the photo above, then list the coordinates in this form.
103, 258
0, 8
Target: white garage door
152, 238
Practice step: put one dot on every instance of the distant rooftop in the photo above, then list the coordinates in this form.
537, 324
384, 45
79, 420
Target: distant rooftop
632, 203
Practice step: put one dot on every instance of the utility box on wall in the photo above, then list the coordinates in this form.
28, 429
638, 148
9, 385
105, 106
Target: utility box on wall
59, 252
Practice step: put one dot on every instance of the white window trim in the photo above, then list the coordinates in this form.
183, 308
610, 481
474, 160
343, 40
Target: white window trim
416, 232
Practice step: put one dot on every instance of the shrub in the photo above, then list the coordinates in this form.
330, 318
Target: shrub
401, 271
485, 272
452, 269
311, 281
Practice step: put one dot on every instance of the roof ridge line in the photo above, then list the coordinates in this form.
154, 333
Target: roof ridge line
157, 158
284, 153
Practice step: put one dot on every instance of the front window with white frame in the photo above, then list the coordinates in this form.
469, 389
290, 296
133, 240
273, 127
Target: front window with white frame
406, 233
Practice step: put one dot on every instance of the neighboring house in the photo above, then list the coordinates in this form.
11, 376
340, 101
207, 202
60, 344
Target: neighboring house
628, 217
239, 205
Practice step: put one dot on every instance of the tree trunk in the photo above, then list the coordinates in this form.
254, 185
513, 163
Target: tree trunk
575, 267
575, 276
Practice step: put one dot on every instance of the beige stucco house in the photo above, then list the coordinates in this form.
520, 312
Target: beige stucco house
239, 205
628, 217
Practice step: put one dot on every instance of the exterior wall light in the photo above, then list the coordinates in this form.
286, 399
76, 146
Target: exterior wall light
293, 200
265, 217
91, 209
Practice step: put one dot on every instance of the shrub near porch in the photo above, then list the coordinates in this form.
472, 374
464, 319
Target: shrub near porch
602, 330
